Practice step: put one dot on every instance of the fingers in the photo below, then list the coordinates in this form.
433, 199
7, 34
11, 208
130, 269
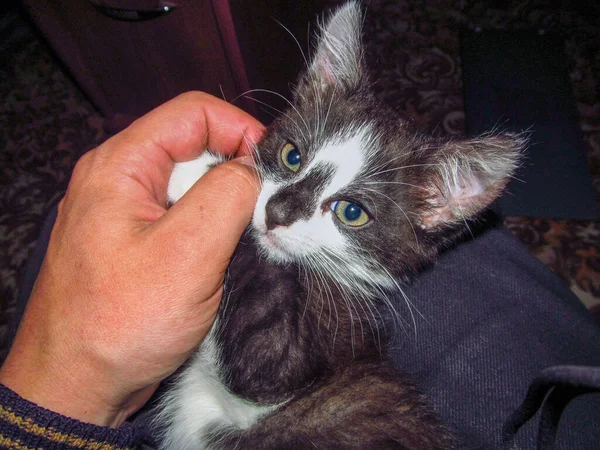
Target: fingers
193, 121
179, 131
213, 214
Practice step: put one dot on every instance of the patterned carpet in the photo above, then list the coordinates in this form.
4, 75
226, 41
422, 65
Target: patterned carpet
46, 123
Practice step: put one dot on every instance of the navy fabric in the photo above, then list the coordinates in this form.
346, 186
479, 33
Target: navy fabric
490, 318
551, 393
485, 321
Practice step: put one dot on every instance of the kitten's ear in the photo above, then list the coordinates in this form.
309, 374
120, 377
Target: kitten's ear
339, 55
464, 177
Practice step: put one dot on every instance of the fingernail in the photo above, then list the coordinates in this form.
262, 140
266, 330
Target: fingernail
245, 160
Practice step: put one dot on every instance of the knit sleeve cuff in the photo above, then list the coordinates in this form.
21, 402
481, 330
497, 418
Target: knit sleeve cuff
24, 425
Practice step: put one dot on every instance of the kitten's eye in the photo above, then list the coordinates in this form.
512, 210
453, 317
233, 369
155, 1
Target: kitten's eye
350, 213
291, 157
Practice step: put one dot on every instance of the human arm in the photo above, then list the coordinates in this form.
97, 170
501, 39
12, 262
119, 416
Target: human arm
128, 288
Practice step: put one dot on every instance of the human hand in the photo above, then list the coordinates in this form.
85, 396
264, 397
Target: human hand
128, 289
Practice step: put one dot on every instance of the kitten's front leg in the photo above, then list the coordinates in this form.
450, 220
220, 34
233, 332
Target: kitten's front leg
185, 174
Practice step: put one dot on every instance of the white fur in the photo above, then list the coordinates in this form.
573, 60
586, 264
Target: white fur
199, 402
308, 237
268, 189
185, 174
318, 242
348, 158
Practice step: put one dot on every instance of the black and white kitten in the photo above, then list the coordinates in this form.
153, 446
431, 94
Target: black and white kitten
352, 203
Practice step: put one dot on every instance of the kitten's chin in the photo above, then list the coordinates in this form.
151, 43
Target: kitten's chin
272, 248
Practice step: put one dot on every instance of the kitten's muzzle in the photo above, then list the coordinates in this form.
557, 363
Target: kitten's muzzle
278, 213
288, 206
298, 200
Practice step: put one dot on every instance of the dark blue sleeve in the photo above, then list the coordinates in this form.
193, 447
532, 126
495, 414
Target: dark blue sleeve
26, 425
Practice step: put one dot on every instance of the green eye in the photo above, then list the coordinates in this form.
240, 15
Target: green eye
291, 157
350, 213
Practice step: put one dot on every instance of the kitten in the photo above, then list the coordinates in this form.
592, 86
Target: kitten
352, 203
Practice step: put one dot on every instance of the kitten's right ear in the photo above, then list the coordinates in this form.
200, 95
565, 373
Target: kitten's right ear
338, 60
462, 177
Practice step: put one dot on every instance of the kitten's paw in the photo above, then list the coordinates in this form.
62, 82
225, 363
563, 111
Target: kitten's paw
185, 174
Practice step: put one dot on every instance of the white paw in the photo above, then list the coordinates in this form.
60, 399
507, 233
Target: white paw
185, 174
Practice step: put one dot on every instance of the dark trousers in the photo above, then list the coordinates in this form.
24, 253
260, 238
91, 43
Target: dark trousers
488, 318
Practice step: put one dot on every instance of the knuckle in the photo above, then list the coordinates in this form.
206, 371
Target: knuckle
193, 97
82, 163
81, 169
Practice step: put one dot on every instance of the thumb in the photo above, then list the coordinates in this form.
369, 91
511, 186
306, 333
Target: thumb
214, 212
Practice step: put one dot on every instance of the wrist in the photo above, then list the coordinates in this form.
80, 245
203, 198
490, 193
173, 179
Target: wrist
67, 391
26, 424
64, 382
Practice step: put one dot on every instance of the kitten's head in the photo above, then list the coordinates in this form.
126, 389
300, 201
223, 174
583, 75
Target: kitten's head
349, 189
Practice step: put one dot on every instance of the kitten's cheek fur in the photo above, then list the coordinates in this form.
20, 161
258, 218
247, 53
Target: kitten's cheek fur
259, 218
265, 239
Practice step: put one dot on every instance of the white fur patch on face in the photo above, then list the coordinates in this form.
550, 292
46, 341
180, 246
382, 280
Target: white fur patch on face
319, 233
268, 189
348, 158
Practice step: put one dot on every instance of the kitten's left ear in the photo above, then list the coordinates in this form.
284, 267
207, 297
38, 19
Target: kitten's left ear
339, 56
464, 177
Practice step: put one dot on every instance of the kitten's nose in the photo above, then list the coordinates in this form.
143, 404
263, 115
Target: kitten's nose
287, 206
277, 214
296, 201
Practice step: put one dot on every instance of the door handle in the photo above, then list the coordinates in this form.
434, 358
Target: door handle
133, 10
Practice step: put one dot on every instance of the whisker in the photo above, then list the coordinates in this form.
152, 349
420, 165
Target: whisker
462, 216
267, 91
296, 41
277, 110
401, 210
404, 167
396, 182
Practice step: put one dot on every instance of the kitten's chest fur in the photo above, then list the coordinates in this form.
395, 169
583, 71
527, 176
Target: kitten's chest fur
282, 328
278, 336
